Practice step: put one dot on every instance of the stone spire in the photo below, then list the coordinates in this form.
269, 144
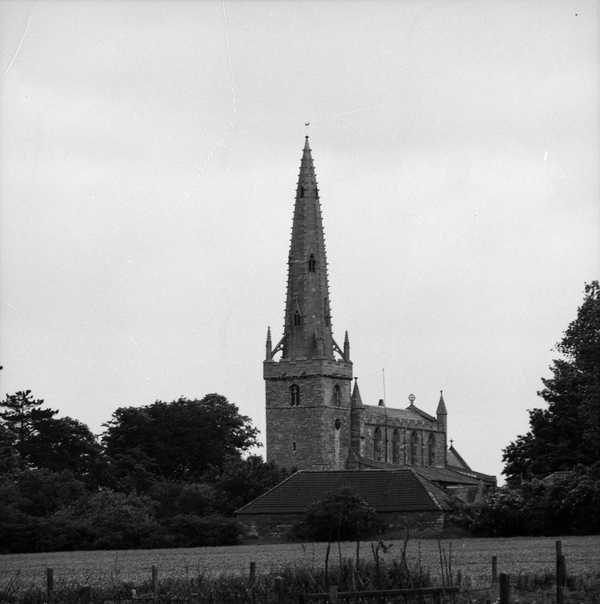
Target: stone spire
307, 329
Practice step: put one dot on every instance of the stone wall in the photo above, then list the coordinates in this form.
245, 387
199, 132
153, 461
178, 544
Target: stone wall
277, 526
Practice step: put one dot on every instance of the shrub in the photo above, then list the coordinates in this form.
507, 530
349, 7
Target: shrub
342, 516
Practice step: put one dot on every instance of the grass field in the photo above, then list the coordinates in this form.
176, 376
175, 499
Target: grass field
470, 556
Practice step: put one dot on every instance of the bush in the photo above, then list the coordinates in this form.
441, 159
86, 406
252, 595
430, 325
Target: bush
342, 516
189, 530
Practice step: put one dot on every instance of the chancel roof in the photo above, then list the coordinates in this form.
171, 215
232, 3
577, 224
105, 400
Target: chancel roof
401, 490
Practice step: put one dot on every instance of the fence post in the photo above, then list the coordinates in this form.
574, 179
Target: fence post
154, 583
561, 574
333, 594
504, 588
279, 588
85, 595
494, 570
50, 584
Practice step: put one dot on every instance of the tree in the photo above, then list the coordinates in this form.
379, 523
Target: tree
38, 439
183, 438
567, 432
242, 480
19, 413
341, 516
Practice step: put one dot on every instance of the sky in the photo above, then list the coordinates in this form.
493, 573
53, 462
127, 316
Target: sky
149, 153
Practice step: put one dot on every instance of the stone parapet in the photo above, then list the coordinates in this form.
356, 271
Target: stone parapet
301, 368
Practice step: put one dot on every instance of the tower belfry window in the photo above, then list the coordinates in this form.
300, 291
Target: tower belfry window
337, 395
312, 264
294, 395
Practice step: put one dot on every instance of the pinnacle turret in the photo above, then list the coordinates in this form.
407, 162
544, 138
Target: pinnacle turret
441, 408
356, 399
269, 346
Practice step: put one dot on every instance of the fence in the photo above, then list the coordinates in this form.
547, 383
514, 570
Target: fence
500, 585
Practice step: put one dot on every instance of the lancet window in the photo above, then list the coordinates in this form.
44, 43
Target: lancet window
414, 447
431, 449
337, 395
294, 395
312, 264
396, 446
378, 444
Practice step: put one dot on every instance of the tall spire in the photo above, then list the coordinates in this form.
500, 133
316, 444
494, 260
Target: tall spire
307, 329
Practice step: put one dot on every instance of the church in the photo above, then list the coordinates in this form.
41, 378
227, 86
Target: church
316, 419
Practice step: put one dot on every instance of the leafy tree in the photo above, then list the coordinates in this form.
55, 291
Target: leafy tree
567, 432
242, 480
34, 437
183, 438
341, 516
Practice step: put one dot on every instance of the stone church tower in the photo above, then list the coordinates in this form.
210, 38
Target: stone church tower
308, 394
316, 417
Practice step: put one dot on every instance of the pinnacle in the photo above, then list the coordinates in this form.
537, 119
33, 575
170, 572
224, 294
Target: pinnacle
441, 408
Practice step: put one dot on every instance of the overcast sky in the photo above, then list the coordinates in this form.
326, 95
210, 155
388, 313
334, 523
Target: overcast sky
149, 155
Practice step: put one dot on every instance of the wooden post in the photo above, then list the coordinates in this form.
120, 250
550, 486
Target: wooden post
333, 594
85, 595
504, 588
154, 583
50, 584
279, 589
561, 575
494, 570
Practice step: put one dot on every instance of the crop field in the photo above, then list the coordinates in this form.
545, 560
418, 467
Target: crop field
471, 556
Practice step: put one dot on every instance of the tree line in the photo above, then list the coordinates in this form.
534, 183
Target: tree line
167, 474
553, 471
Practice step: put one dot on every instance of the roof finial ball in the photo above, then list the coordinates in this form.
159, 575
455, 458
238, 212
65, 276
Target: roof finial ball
411, 399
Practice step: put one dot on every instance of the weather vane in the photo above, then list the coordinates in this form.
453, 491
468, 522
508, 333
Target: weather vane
306, 125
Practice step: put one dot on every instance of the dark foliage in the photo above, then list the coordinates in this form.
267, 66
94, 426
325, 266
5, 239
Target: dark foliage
61, 490
567, 432
182, 439
565, 503
32, 437
342, 516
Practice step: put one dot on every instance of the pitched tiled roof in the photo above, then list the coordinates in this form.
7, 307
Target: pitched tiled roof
445, 475
399, 490
456, 459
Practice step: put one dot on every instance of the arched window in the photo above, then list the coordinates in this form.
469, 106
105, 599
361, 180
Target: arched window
301, 191
294, 395
297, 318
414, 447
431, 449
337, 395
396, 446
337, 424
377, 445
312, 264
294, 446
